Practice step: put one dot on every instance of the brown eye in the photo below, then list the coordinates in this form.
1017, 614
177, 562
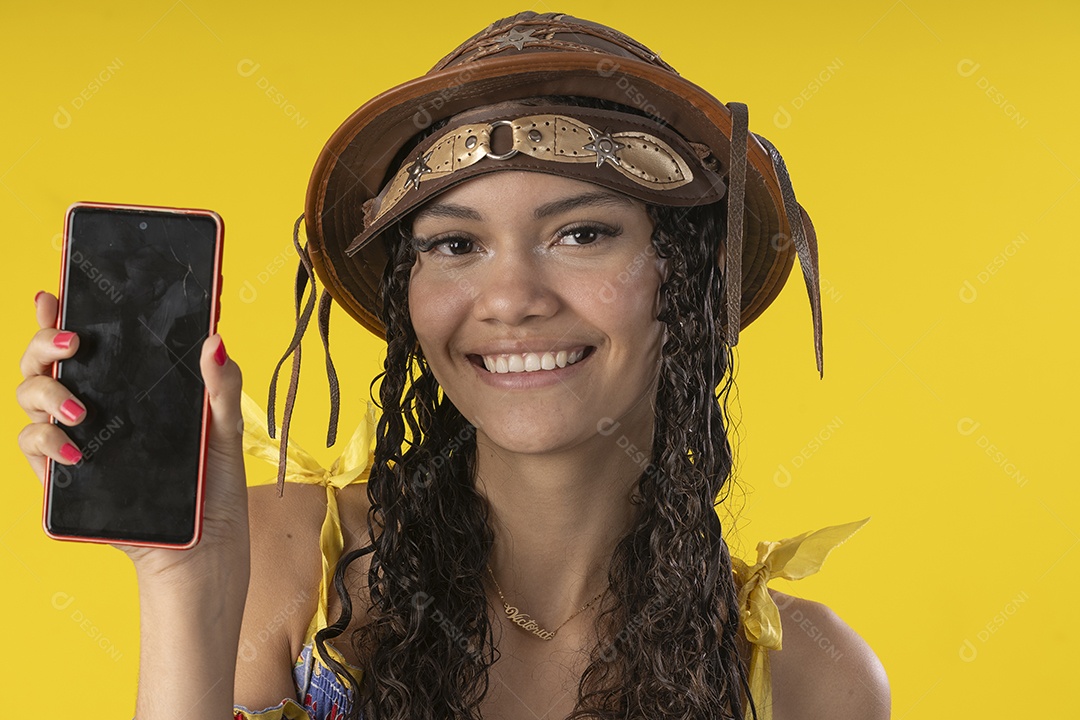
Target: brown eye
584, 236
587, 234
453, 245
456, 245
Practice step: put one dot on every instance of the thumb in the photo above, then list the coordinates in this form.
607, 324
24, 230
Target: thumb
223, 384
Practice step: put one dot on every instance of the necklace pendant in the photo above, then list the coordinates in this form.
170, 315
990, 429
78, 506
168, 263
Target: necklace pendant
526, 623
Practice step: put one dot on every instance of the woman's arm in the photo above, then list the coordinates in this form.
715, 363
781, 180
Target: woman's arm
189, 631
191, 601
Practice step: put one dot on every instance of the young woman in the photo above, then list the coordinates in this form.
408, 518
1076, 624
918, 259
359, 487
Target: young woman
560, 239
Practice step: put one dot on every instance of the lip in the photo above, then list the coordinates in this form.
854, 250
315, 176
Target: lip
528, 380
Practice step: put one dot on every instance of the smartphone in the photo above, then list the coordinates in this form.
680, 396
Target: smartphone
141, 286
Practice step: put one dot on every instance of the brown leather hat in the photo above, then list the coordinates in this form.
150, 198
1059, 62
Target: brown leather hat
526, 56
680, 146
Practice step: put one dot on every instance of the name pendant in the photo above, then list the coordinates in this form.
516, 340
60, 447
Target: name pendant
525, 622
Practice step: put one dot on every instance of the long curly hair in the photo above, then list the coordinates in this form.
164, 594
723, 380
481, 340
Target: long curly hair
669, 630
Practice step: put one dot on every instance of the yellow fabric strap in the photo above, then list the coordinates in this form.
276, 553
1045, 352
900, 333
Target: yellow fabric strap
352, 466
792, 559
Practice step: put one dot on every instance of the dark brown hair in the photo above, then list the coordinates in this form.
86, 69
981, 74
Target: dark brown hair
669, 626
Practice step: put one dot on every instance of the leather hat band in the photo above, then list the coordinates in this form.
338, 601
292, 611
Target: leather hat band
629, 153
640, 157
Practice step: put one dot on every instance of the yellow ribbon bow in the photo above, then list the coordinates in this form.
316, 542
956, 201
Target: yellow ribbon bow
792, 559
352, 466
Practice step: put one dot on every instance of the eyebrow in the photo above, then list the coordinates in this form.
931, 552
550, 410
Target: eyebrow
556, 207
598, 198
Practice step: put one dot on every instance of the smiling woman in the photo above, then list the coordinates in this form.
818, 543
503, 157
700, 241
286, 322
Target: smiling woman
561, 279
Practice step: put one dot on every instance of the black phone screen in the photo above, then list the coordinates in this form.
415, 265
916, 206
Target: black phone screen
138, 290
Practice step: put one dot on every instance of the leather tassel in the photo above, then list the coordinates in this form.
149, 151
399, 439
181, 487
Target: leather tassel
325, 302
805, 239
305, 273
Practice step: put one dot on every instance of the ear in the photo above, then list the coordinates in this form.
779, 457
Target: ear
663, 268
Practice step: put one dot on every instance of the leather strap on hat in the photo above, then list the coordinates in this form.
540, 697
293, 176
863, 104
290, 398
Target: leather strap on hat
736, 202
805, 239
631, 154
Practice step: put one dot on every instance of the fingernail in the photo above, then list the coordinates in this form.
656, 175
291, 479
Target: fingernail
219, 355
63, 340
70, 453
39, 294
72, 410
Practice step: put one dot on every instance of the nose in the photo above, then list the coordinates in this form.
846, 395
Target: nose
515, 287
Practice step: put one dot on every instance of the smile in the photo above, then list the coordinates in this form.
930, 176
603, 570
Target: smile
530, 362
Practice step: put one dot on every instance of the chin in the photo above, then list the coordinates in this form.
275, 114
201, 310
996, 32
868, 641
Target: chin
521, 437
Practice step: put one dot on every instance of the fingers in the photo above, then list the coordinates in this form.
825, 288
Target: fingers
223, 384
42, 440
39, 394
41, 397
47, 306
48, 344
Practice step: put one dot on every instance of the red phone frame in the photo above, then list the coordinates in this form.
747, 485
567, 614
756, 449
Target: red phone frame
215, 315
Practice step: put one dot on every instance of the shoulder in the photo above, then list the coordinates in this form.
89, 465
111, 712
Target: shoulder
824, 669
285, 540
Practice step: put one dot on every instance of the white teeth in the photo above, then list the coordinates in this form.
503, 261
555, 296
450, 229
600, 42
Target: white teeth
531, 362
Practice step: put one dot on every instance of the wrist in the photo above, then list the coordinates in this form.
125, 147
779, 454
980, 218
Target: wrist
206, 564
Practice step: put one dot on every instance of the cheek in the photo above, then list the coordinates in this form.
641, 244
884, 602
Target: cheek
630, 298
436, 306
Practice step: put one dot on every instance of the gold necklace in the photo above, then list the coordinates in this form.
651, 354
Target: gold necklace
526, 623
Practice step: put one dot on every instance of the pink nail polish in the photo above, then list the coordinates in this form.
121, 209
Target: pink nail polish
219, 355
39, 294
72, 410
70, 453
63, 340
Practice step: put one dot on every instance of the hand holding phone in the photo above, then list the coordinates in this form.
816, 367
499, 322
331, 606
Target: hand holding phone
224, 538
225, 499
191, 601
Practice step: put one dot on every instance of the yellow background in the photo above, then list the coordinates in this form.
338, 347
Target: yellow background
947, 255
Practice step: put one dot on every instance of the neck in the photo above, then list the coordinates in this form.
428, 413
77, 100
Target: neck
556, 518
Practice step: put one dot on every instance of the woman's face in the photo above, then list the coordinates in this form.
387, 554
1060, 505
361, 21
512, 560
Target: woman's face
534, 298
